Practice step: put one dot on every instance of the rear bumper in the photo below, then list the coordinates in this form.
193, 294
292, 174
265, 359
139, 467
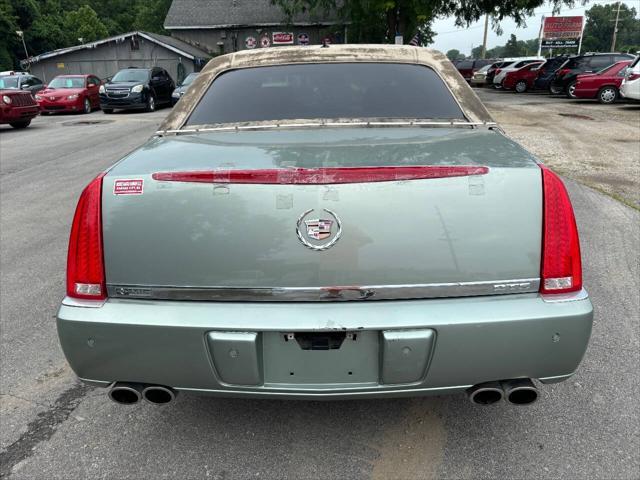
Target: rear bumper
417, 347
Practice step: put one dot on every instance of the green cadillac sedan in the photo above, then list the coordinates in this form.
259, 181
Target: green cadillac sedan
340, 222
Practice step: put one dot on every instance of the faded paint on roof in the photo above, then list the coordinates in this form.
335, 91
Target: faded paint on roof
471, 105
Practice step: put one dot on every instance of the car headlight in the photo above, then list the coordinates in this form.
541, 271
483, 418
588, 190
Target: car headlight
72, 97
101, 89
6, 99
137, 89
175, 94
38, 97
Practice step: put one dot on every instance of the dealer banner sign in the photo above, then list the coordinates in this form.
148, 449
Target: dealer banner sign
559, 32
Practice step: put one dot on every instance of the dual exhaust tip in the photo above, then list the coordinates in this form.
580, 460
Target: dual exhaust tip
520, 391
131, 393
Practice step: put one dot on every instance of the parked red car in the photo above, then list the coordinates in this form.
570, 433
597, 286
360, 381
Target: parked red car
603, 85
522, 79
17, 108
70, 93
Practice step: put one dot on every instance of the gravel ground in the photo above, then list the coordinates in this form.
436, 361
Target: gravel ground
52, 427
598, 145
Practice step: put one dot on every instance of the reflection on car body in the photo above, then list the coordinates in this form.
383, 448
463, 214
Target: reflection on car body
326, 223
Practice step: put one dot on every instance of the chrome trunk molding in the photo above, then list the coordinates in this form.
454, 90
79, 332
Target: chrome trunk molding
329, 293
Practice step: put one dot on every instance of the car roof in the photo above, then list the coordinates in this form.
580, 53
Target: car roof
470, 104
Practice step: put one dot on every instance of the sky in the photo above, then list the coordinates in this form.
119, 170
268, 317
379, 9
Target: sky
449, 36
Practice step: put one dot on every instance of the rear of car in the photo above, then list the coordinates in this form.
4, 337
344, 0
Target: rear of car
630, 87
293, 232
17, 108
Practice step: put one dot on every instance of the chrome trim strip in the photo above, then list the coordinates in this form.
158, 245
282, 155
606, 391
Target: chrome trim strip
565, 297
76, 302
329, 293
416, 123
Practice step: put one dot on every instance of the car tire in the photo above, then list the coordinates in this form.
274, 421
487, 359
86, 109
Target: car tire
151, 104
608, 95
107, 110
87, 106
571, 90
554, 90
520, 86
22, 124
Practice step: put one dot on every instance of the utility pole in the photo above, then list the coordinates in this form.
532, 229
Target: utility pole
20, 33
615, 30
484, 40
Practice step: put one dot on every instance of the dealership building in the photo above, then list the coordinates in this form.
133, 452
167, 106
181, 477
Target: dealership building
105, 57
224, 26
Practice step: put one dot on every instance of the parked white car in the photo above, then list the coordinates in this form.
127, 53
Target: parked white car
630, 87
512, 67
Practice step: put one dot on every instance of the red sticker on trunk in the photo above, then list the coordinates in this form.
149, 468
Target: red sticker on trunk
128, 187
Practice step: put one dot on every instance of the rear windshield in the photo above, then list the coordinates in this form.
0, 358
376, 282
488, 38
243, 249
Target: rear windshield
326, 91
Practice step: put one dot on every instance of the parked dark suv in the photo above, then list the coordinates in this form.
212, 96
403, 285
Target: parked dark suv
137, 88
565, 78
547, 72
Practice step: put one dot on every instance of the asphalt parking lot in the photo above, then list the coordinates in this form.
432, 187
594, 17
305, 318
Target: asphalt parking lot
53, 427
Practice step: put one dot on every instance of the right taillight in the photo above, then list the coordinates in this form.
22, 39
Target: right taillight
561, 269
85, 265
633, 76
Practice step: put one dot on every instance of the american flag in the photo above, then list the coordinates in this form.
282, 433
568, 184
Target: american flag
415, 41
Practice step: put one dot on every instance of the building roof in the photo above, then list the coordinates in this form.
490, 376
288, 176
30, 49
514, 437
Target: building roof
169, 43
235, 13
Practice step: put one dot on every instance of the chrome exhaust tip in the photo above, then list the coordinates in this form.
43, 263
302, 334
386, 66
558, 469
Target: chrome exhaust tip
125, 393
159, 395
520, 391
486, 393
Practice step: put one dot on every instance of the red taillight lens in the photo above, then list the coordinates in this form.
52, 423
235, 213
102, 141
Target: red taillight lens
561, 264
85, 264
498, 70
633, 76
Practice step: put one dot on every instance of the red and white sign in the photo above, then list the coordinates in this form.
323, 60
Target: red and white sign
562, 31
282, 38
303, 39
265, 42
250, 42
129, 186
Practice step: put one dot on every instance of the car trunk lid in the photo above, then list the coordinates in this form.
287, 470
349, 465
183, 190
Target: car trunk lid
182, 221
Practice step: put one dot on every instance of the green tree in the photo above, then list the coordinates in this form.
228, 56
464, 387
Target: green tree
84, 23
380, 20
453, 54
8, 38
599, 26
512, 48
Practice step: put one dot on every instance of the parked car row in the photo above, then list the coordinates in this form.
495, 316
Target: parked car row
24, 96
594, 75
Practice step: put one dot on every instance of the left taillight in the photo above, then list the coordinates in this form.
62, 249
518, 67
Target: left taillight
561, 269
85, 260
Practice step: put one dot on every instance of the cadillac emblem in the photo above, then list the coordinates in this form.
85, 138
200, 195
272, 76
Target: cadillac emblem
312, 231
